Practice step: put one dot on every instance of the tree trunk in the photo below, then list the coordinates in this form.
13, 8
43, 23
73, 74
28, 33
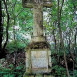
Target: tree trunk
60, 34
53, 32
66, 64
5, 3
69, 43
14, 35
75, 36
59, 27
75, 48
1, 26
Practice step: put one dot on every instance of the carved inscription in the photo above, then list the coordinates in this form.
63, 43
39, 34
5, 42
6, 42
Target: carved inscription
39, 59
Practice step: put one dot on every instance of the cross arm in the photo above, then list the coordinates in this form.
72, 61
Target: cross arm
47, 4
30, 3
27, 4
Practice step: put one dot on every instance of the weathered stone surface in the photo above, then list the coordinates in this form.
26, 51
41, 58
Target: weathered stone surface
26, 75
29, 3
39, 45
39, 61
48, 76
38, 39
37, 55
49, 55
38, 20
39, 75
38, 58
37, 6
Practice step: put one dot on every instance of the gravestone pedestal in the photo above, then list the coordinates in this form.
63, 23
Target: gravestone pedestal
38, 58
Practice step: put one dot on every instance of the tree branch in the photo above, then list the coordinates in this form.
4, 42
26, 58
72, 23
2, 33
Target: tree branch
7, 27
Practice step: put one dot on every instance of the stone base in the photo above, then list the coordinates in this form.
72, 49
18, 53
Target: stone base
38, 58
37, 75
38, 61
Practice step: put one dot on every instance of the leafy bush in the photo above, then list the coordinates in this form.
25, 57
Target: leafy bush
59, 71
75, 73
7, 72
20, 67
15, 46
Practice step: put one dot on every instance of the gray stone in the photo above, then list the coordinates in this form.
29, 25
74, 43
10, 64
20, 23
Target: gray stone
39, 61
39, 75
48, 76
29, 3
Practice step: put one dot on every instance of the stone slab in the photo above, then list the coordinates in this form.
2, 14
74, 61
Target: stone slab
48, 76
39, 61
28, 76
39, 75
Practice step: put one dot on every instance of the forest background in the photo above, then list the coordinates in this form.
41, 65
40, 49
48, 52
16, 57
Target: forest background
60, 29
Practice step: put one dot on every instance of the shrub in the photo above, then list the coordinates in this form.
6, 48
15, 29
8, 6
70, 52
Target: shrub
15, 46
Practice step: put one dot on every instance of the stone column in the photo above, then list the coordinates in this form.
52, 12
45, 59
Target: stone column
38, 23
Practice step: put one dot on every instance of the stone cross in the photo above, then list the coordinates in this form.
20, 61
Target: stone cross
38, 59
37, 6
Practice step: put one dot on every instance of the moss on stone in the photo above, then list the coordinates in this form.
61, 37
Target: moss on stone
38, 45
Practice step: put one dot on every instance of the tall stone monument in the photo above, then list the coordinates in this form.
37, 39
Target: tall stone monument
38, 54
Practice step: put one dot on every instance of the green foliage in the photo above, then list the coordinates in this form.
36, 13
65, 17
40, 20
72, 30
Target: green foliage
75, 73
59, 71
10, 72
15, 46
9, 75
20, 67
11, 66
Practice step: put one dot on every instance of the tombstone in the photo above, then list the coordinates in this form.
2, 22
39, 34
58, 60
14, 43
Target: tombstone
38, 54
